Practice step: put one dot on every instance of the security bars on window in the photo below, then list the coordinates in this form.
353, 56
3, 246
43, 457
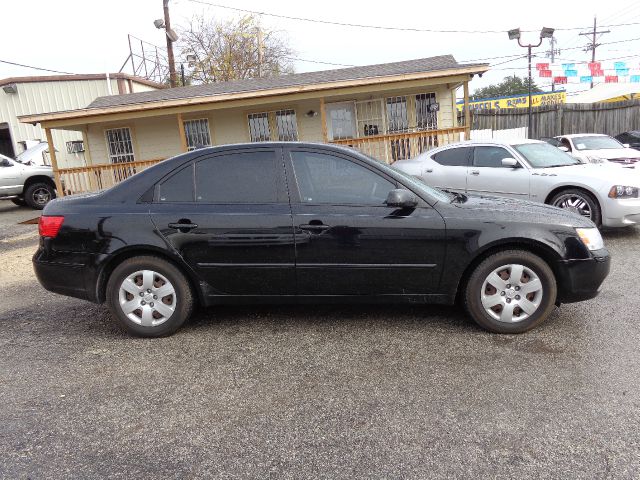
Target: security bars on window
284, 121
197, 133
120, 145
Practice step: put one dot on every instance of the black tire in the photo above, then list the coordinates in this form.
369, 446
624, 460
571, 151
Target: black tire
37, 195
575, 193
183, 306
19, 201
474, 291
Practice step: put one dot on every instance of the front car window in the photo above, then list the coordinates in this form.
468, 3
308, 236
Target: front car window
543, 155
599, 142
453, 157
489, 156
327, 179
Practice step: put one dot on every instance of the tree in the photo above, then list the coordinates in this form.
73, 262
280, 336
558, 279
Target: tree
508, 87
229, 50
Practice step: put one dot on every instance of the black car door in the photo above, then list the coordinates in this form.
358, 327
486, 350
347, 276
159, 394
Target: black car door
228, 215
348, 242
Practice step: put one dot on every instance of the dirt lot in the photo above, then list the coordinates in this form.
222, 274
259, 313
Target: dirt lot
316, 392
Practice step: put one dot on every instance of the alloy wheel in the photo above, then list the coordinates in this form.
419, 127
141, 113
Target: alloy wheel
147, 298
41, 196
574, 203
511, 293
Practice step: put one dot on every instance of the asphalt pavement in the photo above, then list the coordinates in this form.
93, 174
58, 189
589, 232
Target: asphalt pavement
316, 391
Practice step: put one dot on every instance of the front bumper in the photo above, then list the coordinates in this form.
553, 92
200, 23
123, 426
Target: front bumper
621, 212
580, 280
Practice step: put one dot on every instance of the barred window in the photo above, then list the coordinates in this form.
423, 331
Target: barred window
278, 125
197, 133
119, 145
397, 120
426, 111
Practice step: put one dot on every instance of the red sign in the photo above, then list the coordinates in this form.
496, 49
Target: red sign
559, 80
545, 73
597, 73
595, 66
542, 66
611, 79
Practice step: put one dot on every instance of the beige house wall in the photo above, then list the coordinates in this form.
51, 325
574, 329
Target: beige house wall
158, 137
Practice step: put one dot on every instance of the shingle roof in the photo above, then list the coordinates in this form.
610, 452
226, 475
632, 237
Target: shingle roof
443, 62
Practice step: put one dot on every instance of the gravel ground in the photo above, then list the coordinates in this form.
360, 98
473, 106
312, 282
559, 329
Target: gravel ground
316, 392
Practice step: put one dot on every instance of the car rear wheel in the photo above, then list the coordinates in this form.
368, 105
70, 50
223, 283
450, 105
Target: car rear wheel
149, 296
511, 292
580, 202
37, 195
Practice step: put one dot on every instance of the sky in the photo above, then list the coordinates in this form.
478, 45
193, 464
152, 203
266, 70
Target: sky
90, 36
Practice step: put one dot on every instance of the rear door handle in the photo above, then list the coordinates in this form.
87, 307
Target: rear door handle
183, 226
475, 172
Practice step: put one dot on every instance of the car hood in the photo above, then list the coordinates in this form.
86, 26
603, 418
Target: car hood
610, 153
512, 210
43, 169
600, 172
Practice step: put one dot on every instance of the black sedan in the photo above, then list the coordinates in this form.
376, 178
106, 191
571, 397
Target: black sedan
630, 138
298, 222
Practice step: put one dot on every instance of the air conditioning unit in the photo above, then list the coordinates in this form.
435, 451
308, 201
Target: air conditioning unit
75, 146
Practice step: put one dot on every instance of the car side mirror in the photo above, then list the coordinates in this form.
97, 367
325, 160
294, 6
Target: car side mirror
401, 198
563, 148
510, 162
5, 163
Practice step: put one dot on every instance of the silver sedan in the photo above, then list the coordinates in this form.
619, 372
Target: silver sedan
533, 170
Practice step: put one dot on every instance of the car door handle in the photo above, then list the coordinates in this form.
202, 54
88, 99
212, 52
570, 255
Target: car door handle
475, 172
315, 227
183, 226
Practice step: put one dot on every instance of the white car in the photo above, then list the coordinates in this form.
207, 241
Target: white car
596, 148
536, 171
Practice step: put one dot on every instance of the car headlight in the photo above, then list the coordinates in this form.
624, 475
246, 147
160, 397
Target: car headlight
624, 191
591, 238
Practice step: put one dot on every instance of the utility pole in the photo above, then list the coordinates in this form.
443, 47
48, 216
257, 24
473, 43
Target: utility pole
593, 45
551, 54
260, 51
167, 26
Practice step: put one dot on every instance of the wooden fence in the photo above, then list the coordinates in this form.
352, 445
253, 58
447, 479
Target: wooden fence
563, 119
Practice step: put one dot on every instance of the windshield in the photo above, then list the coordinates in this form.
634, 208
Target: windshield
600, 142
543, 155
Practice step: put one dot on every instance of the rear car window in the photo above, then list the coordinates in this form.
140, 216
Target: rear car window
178, 187
242, 177
453, 157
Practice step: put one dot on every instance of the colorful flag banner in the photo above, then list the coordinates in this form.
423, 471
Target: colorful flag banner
595, 66
586, 79
559, 80
542, 66
571, 73
611, 79
634, 78
597, 73
568, 66
545, 73
622, 72
619, 65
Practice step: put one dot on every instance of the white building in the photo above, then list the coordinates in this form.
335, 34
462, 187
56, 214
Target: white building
29, 95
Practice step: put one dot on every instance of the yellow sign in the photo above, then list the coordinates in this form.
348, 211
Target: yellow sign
517, 101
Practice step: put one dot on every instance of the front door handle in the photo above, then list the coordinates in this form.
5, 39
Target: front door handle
475, 172
183, 226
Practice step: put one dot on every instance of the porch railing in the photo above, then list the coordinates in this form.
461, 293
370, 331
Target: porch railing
97, 177
400, 146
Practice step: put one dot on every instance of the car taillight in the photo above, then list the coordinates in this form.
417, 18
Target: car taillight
49, 226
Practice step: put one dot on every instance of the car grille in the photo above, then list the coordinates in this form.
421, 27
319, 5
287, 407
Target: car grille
624, 160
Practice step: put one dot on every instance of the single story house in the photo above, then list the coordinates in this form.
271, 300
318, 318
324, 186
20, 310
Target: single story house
390, 111
50, 93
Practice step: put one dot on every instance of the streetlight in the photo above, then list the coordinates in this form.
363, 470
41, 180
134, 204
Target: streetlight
515, 35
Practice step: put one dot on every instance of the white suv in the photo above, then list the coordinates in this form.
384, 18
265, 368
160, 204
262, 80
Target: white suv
26, 184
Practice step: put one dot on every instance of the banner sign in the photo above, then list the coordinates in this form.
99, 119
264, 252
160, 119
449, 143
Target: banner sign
517, 101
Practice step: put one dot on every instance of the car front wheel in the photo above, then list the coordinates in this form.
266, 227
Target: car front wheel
511, 292
149, 296
579, 202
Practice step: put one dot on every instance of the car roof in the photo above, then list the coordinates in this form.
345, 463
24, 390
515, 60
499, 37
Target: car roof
494, 141
574, 135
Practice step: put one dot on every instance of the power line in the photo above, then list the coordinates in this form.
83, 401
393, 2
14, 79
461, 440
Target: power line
36, 68
359, 25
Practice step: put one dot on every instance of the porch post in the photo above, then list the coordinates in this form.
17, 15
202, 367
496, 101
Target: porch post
54, 162
183, 134
323, 120
467, 112
88, 162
